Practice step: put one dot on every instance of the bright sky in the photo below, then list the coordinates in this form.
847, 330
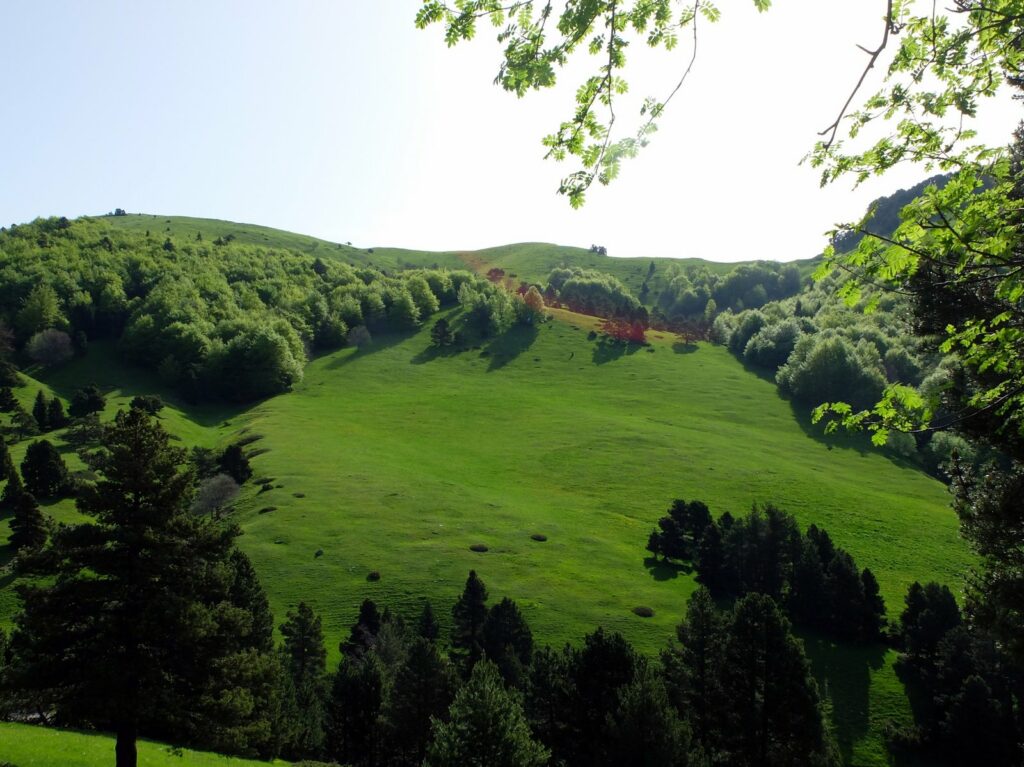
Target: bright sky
337, 118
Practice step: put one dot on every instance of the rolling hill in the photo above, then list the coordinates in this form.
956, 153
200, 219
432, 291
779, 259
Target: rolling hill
396, 458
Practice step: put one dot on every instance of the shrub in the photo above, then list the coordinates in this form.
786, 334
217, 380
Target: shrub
539, 537
373, 575
643, 612
50, 347
478, 547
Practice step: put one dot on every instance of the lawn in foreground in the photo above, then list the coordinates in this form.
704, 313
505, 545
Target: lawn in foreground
24, 745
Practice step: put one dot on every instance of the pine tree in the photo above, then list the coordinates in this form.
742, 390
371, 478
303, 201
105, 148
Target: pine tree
441, 333
55, 417
28, 526
711, 560
44, 471
88, 399
422, 690
774, 714
353, 712
234, 463
646, 731
427, 626
306, 663
40, 412
7, 400
873, 615
248, 594
486, 728
508, 642
14, 487
364, 631
468, 615
132, 629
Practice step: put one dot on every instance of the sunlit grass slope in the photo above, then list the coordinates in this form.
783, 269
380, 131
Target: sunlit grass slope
26, 746
397, 459
528, 261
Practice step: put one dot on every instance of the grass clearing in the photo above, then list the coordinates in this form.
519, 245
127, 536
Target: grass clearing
396, 459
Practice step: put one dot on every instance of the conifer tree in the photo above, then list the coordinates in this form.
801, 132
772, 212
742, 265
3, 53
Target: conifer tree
421, 691
508, 641
55, 416
248, 594
486, 728
28, 527
427, 626
133, 629
234, 463
14, 487
354, 710
306, 663
7, 400
646, 731
468, 615
873, 615
43, 470
40, 412
364, 631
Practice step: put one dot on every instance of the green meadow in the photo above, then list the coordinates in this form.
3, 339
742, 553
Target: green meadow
23, 745
397, 458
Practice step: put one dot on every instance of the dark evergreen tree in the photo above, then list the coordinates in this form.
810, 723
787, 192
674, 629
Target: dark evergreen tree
599, 670
485, 728
422, 690
354, 713
133, 630
646, 731
151, 403
306, 663
550, 698
468, 616
427, 625
808, 600
88, 399
711, 560
7, 400
508, 641
43, 470
774, 713
14, 487
247, 594
40, 412
55, 416
235, 464
364, 631
845, 593
873, 614
28, 527
931, 611
693, 670
441, 334
977, 730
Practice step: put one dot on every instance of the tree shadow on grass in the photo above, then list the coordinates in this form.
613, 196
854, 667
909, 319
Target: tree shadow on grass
844, 672
510, 344
663, 570
379, 343
610, 349
432, 353
684, 347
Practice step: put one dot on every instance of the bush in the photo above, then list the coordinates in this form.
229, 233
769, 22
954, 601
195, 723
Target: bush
827, 368
478, 547
643, 612
373, 576
771, 346
50, 347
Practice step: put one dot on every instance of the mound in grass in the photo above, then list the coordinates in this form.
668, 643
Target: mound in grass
539, 537
478, 547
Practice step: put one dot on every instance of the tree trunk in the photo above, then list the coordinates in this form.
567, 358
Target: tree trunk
125, 750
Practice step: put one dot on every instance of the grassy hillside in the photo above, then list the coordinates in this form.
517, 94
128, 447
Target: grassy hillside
530, 261
26, 746
398, 459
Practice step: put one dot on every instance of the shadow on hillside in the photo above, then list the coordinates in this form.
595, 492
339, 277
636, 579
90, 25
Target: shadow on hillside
506, 347
432, 353
610, 349
843, 673
378, 343
105, 368
684, 347
841, 439
663, 570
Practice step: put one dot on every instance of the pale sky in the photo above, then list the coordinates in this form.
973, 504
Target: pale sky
337, 118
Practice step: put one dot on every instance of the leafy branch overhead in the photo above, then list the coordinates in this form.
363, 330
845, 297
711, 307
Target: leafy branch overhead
538, 41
